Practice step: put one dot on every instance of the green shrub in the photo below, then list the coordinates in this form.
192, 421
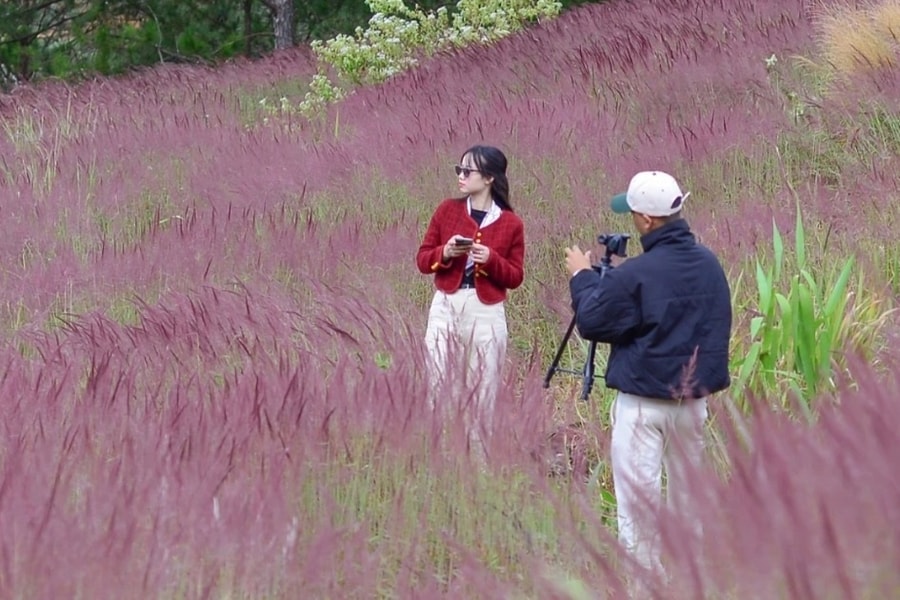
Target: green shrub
397, 36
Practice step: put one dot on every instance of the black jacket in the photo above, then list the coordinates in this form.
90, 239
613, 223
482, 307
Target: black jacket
666, 314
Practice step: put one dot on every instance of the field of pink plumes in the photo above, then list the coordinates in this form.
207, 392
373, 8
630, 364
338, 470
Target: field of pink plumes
212, 374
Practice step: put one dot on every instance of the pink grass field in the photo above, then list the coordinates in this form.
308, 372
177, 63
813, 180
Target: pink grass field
212, 383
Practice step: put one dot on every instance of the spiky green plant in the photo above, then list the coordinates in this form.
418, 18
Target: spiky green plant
806, 319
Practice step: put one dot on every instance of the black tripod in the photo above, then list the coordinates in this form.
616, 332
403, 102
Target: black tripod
615, 245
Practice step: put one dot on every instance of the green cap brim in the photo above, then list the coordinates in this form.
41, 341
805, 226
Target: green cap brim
619, 203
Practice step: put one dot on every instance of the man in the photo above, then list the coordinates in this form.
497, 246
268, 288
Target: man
666, 314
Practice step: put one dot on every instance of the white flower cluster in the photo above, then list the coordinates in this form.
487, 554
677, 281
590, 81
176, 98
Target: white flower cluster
397, 36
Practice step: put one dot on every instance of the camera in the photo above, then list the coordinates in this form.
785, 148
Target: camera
615, 243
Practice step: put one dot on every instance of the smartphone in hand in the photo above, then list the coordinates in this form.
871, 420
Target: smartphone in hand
463, 241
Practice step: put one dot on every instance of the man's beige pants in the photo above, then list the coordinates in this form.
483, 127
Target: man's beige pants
647, 436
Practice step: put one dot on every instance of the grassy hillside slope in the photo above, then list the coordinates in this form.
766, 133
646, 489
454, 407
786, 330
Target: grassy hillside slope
212, 380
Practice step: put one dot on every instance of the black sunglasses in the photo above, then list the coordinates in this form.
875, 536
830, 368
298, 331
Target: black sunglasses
464, 171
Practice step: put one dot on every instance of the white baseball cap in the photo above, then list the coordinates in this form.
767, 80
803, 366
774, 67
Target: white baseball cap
652, 193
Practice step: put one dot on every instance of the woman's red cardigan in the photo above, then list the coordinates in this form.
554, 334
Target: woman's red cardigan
504, 269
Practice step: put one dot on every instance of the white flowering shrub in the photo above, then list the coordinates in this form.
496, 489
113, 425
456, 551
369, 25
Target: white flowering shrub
397, 36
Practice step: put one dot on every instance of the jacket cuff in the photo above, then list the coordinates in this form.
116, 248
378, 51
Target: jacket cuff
439, 263
581, 280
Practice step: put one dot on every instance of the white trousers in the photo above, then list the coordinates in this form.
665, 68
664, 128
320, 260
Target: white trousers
466, 342
647, 436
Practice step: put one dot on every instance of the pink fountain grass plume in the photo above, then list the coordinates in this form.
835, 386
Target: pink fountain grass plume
187, 454
663, 71
796, 515
164, 180
118, 173
137, 463
260, 409
635, 117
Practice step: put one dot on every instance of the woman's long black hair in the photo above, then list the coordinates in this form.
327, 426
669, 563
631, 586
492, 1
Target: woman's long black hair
491, 162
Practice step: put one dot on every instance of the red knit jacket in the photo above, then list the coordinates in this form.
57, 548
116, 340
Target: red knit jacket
504, 269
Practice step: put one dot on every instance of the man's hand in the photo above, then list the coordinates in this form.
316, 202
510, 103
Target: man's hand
576, 260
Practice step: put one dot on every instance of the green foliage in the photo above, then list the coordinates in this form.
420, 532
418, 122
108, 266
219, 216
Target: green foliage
492, 513
804, 327
70, 38
397, 36
572, 588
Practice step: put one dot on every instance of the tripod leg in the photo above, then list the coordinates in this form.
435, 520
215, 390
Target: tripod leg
587, 383
562, 346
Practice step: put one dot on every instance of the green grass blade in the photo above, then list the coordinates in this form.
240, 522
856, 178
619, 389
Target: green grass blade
778, 247
756, 324
800, 241
838, 297
764, 286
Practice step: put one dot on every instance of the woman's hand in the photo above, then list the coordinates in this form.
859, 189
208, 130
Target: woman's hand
480, 253
454, 248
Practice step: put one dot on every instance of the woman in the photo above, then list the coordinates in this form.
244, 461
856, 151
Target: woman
475, 247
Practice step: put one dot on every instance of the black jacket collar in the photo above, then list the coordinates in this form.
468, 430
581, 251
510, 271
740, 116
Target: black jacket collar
677, 231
